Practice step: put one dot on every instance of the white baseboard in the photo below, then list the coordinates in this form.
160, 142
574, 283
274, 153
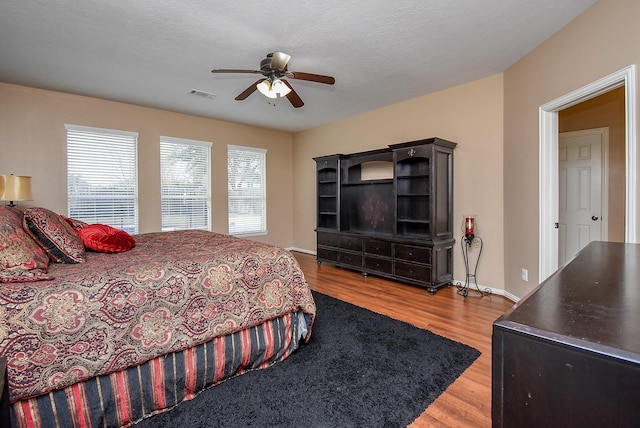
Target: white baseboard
302, 250
496, 291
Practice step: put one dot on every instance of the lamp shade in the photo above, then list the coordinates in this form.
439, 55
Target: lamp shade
273, 89
265, 89
280, 88
15, 188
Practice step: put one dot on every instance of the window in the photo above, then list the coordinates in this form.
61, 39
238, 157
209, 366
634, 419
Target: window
102, 178
185, 184
247, 170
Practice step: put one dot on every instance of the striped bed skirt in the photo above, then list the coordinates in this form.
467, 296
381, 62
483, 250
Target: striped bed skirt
123, 398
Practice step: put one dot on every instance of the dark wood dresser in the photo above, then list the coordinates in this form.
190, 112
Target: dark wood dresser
5, 412
568, 355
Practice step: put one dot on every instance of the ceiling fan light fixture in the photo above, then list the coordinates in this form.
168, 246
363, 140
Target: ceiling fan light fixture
266, 88
273, 89
279, 87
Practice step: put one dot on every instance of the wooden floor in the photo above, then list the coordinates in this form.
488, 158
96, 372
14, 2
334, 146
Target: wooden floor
467, 402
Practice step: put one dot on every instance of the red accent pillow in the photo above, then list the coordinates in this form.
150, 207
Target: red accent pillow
106, 239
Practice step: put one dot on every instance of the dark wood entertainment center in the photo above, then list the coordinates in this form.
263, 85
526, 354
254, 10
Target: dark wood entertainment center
568, 355
389, 212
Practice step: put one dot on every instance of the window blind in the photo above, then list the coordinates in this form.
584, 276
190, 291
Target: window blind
185, 184
102, 178
247, 168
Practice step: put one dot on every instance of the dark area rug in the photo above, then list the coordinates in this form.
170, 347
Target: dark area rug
360, 369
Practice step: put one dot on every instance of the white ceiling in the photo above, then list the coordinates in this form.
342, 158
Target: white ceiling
153, 52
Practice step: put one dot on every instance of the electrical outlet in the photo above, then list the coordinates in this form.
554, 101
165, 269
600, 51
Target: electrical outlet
525, 274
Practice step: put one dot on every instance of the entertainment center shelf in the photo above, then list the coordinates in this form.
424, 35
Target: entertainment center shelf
388, 212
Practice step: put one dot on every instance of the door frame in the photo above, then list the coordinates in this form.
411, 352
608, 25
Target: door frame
548, 163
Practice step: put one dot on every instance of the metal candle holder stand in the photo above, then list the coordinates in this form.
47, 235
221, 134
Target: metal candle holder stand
463, 289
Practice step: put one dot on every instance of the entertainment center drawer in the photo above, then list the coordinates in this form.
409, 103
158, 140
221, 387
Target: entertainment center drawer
378, 265
416, 272
412, 253
350, 259
328, 239
380, 248
328, 254
351, 243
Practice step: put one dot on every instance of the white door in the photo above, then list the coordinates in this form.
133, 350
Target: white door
582, 192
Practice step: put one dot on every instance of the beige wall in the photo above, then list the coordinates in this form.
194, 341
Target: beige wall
493, 120
33, 142
602, 40
469, 114
605, 111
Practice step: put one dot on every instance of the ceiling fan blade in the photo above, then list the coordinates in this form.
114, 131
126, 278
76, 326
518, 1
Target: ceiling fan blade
311, 77
279, 60
250, 90
233, 70
293, 96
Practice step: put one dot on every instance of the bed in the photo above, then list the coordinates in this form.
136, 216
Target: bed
117, 337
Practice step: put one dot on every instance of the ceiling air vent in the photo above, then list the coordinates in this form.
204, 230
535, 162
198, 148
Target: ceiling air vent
202, 94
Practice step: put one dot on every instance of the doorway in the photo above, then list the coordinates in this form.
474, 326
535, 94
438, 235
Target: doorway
548, 172
583, 190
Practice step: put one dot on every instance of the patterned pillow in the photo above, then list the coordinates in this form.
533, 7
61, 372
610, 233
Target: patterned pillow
106, 239
21, 259
76, 224
55, 235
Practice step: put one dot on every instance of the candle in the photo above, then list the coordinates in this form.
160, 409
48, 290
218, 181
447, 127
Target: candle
468, 225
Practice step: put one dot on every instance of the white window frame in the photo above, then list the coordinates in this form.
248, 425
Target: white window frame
206, 195
102, 154
261, 197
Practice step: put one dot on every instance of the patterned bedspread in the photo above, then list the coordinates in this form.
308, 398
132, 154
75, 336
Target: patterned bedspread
172, 291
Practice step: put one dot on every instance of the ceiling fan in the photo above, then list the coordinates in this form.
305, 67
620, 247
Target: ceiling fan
273, 68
